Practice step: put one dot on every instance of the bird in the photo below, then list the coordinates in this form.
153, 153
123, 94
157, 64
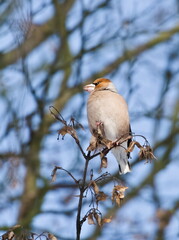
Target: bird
106, 106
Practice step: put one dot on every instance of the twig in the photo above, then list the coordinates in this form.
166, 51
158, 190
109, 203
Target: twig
106, 150
57, 116
55, 170
138, 135
80, 147
82, 189
69, 128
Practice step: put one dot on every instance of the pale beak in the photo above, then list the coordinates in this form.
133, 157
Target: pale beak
89, 87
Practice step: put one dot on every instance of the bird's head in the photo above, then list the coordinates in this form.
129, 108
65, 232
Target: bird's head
100, 84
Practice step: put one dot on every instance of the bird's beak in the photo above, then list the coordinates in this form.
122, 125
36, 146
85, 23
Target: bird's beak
89, 87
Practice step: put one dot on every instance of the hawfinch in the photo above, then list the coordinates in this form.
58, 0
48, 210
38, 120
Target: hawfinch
106, 106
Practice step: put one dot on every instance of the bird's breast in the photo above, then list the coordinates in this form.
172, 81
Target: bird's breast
111, 109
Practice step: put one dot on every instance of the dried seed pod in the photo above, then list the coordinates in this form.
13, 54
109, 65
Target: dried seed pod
98, 219
104, 161
51, 237
64, 130
146, 153
95, 187
93, 144
131, 146
101, 196
106, 220
68, 129
91, 219
118, 194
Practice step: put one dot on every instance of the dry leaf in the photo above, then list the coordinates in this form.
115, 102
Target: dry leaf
101, 196
56, 114
118, 194
150, 153
54, 177
98, 219
68, 129
138, 144
54, 174
75, 124
93, 144
106, 220
104, 162
8, 235
11, 235
100, 136
120, 188
105, 142
131, 146
95, 187
100, 129
142, 154
146, 153
91, 147
90, 219
51, 236
74, 134
78, 125
64, 130
116, 197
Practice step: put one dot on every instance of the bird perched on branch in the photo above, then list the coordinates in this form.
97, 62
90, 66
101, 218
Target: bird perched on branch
106, 106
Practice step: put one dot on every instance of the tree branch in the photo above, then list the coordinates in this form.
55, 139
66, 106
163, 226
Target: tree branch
82, 189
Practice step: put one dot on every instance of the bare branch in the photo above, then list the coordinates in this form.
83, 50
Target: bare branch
60, 168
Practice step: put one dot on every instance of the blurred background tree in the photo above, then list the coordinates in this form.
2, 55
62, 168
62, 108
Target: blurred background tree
49, 50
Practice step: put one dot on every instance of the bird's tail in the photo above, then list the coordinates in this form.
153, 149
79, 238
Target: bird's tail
122, 159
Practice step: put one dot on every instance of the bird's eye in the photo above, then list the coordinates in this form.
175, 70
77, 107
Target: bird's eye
96, 83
